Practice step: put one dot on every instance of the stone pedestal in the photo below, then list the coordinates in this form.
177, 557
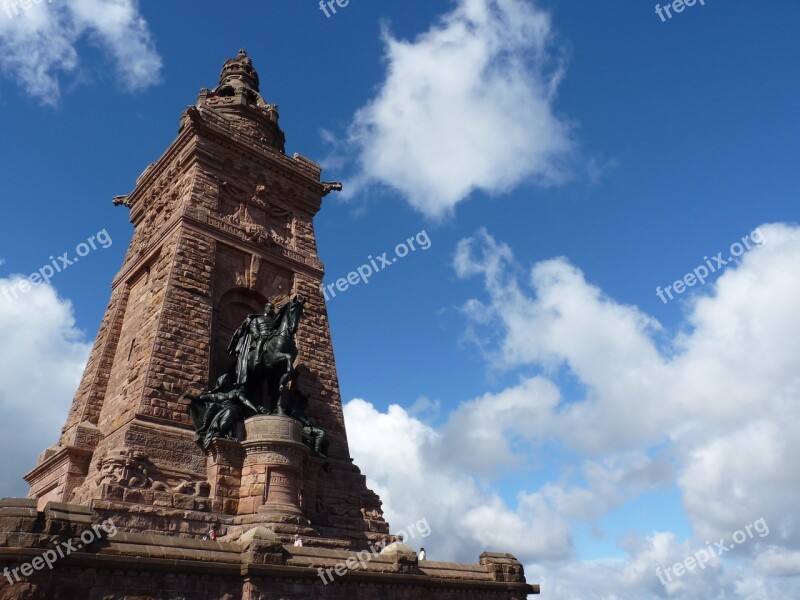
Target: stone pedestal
272, 471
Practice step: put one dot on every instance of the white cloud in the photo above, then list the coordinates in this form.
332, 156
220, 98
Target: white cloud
496, 423
714, 414
412, 467
779, 562
42, 356
466, 106
38, 45
634, 578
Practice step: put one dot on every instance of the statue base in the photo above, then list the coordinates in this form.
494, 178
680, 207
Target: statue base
272, 470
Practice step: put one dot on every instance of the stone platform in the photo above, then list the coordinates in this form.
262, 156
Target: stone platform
258, 566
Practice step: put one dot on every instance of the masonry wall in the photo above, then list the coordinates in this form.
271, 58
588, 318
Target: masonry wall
222, 223
116, 565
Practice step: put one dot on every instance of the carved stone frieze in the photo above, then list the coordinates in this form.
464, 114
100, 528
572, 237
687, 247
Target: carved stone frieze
132, 469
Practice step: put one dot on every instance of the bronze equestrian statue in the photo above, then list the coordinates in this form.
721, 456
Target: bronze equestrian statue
265, 351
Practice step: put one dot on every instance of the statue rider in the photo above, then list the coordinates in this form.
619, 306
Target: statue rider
248, 342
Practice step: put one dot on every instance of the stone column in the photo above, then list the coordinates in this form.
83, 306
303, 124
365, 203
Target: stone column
273, 469
224, 468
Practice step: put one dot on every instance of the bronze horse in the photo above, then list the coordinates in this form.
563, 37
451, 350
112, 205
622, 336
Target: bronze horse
274, 363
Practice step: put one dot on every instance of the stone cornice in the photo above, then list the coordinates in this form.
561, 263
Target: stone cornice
155, 170
64, 456
205, 121
298, 169
191, 217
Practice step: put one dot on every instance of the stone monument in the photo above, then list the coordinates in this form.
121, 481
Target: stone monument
207, 430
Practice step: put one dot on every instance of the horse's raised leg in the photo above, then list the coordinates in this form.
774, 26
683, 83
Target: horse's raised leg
285, 377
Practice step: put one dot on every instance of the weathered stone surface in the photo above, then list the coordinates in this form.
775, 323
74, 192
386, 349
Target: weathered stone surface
154, 566
256, 533
397, 551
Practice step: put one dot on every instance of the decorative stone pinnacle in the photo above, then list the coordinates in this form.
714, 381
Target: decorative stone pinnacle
239, 69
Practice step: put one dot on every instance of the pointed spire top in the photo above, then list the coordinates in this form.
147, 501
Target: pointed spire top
239, 71
238, 98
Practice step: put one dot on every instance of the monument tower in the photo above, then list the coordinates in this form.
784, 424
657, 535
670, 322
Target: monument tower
223, 225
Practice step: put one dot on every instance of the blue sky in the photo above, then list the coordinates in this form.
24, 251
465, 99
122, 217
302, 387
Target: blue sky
564, 162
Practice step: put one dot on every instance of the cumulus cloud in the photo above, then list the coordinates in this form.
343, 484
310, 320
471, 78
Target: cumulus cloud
410, 466
42, 356
39, 44
466, 106
633, 577
711, 413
